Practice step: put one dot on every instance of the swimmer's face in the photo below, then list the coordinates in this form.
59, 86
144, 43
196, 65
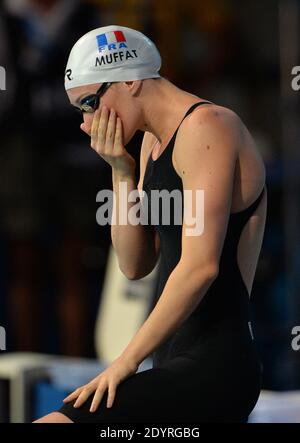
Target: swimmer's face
121, 96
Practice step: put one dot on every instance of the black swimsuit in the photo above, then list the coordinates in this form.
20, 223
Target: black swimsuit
209, 369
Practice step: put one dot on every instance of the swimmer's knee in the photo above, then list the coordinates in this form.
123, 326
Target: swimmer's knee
54, 417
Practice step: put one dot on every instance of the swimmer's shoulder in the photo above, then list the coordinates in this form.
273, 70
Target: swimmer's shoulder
210, 122
209, 115
210, 127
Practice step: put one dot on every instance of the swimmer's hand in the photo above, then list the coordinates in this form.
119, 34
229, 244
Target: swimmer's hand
109, 379
107, 140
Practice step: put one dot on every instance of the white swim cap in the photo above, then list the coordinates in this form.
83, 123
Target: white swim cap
111, 54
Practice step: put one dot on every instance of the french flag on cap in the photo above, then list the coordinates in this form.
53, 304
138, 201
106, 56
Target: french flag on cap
110, 38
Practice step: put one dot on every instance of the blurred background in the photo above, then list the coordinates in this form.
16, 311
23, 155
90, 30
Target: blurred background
53, 255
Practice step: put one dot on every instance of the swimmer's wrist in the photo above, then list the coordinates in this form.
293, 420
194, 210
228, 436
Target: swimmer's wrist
123, 175
131, 361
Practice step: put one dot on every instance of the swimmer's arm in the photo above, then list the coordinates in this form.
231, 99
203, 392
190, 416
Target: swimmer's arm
206, 162
137, 246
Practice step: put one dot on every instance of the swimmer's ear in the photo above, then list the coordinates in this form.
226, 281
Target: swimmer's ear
134, 86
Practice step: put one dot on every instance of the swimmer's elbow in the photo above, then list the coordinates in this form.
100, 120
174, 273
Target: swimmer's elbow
131, 275
140, 272
142, 269
207, 273
213, 271
135, 276
143, 263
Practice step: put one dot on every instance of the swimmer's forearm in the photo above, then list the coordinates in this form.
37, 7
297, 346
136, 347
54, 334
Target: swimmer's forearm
133, 244
182, 293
